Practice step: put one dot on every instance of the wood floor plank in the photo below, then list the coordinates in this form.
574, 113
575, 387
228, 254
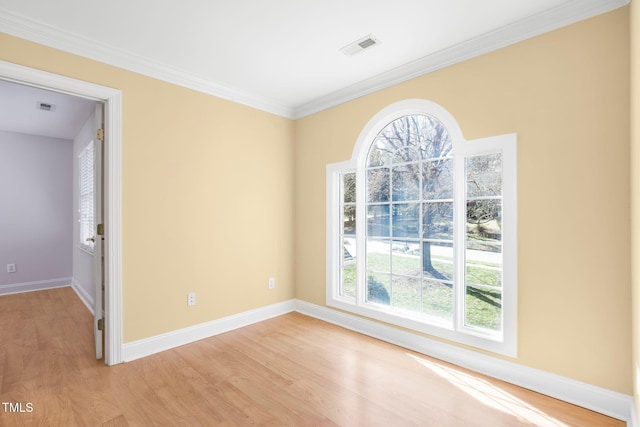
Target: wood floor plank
287, 371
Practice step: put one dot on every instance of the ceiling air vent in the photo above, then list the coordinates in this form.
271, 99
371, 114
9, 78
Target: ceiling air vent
45, 106
360, 45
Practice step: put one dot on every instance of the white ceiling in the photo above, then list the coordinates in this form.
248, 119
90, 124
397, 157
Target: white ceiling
20, 112
283, 56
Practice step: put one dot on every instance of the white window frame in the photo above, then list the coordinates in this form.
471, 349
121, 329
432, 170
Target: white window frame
504, 343
86, 168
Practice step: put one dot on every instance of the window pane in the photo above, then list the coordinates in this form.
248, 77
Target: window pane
435, 141
406, 220
348, 250
378, 286
406, 182
437, 261
437, 299
405, 154
348, 281
484, 175
484, 224
349, 219
481, 269
406, 259
378, 220
378, 255
483, 308
378, 185
437, 179
406, 293
437, 220
380, 153
349, 188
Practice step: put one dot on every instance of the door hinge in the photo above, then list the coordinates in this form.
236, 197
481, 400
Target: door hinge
100, 230
101, 324
100, 134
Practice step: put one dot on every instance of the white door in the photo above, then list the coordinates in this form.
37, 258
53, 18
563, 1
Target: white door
98, 257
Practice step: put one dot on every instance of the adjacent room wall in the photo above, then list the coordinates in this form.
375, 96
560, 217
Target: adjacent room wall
207, 203
566, 95
35, 211
82, 260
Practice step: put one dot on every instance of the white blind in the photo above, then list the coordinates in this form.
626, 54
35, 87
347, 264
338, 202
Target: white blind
86, 220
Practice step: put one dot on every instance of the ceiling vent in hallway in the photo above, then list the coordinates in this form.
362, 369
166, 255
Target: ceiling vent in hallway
45, 106
360, 45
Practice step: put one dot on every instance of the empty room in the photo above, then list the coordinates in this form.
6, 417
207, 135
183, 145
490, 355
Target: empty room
320, 213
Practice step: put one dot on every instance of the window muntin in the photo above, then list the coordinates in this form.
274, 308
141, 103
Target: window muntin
419, 264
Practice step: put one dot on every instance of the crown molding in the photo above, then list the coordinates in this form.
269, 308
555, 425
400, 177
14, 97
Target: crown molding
565, 14
41, 33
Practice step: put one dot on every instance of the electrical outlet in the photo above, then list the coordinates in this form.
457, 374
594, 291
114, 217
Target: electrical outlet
272, 282
11, 268
191, 299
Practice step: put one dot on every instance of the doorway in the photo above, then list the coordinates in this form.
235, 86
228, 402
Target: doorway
111, 99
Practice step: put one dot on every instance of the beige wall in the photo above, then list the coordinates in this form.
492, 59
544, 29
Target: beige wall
207, 197
635, 193
566, 95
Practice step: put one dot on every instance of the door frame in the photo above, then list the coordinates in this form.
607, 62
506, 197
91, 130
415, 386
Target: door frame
112, 99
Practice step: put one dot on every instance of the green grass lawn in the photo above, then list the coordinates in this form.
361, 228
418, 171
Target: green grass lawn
433, 297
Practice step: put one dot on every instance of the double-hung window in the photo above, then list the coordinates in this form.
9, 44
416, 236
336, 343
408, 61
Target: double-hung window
421, 228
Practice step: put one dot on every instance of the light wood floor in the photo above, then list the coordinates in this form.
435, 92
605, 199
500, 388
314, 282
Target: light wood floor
289, 371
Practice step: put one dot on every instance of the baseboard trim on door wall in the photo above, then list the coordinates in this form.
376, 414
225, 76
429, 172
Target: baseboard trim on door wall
604, 401
148, 346
39, 285
83, 295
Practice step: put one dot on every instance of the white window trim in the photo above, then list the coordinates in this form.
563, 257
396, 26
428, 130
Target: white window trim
506, 144
87, 154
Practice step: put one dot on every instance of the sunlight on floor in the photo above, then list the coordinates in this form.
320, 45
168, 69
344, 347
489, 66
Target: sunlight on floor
490, 395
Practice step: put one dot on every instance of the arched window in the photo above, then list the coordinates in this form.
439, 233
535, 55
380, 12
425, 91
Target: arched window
421, 228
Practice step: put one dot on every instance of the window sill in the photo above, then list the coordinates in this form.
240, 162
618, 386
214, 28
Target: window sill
85, 250
439, 328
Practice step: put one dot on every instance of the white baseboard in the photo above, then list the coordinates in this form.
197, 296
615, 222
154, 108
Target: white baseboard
633, 418
83, 295
607, 402
39, 285
148, 346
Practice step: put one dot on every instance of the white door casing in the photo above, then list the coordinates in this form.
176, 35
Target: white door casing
98, 235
